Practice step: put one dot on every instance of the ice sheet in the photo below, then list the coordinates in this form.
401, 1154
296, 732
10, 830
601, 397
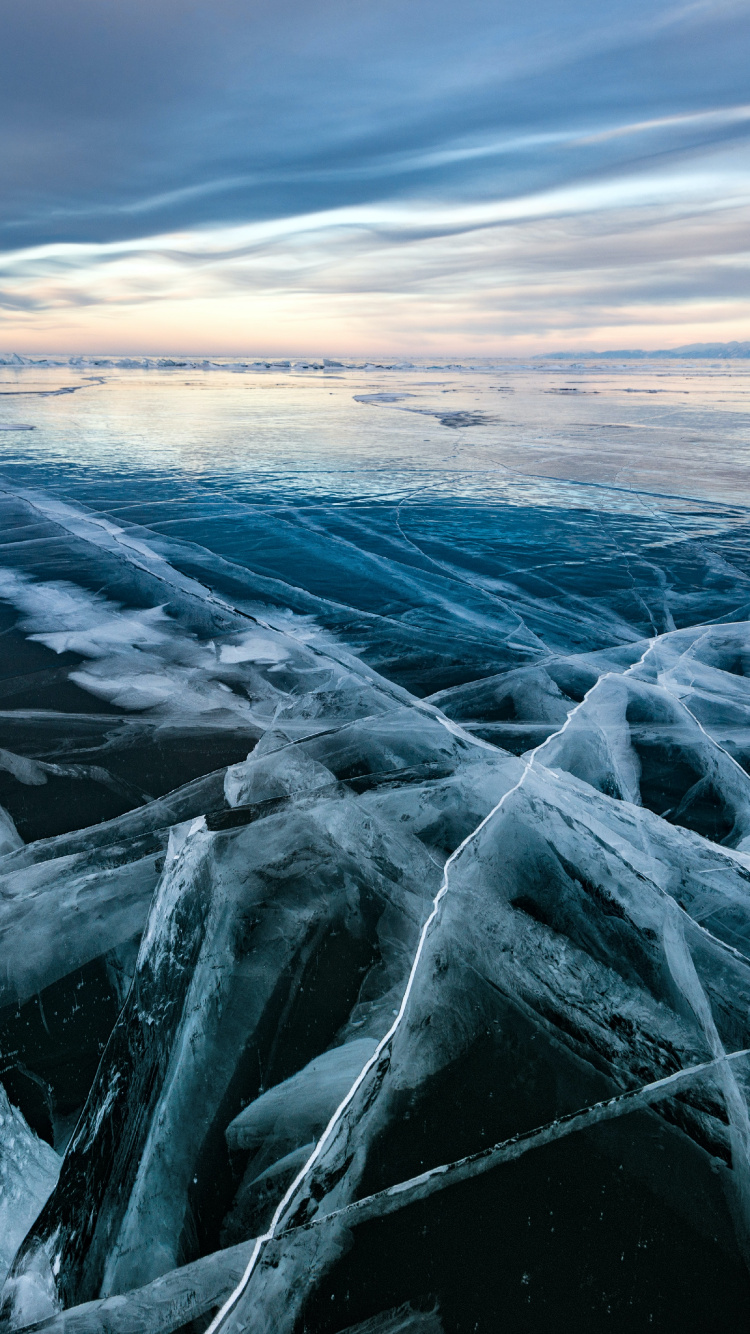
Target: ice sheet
374, 880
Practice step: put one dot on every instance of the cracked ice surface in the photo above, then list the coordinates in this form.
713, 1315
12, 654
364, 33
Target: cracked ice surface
375, 854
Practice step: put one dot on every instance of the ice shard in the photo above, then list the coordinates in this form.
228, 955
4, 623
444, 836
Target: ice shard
28, 1171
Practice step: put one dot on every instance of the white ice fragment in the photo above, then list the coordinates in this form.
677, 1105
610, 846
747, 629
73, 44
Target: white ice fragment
31, 1295
24, 770
64, 617
10, 839
297, 1110
97, 632
280, 773
28, 1172
254, 647
179, 835
144, 691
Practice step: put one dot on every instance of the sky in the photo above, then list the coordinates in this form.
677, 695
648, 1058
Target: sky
406, 177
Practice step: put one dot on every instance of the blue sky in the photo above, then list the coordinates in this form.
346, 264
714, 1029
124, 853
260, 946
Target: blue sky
341, 176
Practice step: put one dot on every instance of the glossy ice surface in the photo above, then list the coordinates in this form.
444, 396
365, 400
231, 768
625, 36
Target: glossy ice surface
374, 753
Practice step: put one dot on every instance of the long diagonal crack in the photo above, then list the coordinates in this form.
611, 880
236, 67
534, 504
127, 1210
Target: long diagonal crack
509, 1150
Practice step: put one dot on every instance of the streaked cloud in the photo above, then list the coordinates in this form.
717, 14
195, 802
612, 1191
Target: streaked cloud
346, 177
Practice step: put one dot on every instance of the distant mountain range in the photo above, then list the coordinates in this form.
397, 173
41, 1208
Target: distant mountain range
714, 351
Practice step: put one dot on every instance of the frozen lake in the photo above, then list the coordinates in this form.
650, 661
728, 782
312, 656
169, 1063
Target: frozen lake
374, 755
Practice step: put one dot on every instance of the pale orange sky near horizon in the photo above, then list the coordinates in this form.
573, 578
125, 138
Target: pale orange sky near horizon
565, 273
133, 303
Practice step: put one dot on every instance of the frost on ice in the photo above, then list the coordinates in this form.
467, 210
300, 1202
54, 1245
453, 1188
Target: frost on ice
346, 989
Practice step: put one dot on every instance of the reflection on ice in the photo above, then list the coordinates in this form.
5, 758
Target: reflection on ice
374, 902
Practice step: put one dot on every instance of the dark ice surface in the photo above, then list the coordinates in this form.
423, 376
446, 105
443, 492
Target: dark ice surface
374, 848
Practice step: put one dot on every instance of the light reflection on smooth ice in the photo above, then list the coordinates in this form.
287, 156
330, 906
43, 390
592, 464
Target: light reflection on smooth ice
375, 833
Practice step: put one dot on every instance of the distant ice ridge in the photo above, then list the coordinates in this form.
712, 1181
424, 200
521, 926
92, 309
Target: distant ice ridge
207, 364
257, 365
732, 351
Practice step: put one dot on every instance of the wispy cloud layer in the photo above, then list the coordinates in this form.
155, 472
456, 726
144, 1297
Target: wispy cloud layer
342, 176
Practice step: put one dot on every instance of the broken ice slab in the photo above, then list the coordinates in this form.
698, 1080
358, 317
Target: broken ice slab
257, 948
81, 894
173, 1302
566, 813
410, 766
72, 910
50, 785
168, 1304
640, 742
29, 1169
